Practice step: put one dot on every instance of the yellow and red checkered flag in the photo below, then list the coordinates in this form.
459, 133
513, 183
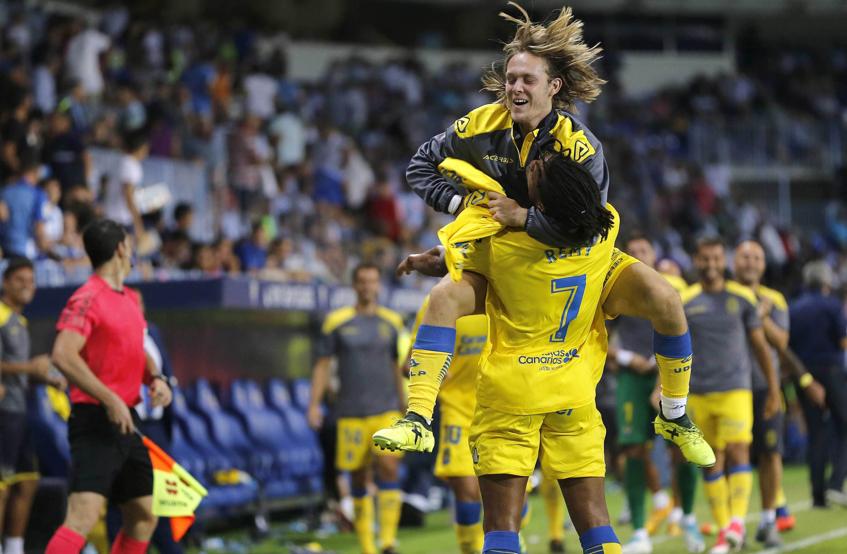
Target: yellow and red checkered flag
176, 494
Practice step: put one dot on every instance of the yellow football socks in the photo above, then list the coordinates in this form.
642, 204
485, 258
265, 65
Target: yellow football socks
740, 489
717, 491
363, 522
389, 503
468, 525
673, 358
428, 364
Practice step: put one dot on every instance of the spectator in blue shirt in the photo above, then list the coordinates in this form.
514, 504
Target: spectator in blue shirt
819, 338
253, 252
22, 232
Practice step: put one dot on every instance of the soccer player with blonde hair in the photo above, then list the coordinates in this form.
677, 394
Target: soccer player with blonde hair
547, 68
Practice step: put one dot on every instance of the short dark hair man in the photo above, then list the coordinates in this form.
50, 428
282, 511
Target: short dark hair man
100, 348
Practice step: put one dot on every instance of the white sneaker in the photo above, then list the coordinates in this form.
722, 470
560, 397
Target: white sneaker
694, 541
638, 545
837, 497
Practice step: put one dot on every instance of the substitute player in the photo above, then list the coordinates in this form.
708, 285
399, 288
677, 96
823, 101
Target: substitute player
100, 349
749, 267
457, 399
636, 381
726, 326
546, 70
18, 463
366, 339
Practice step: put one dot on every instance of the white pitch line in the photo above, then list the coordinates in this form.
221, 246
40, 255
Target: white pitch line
808, 541
794, 508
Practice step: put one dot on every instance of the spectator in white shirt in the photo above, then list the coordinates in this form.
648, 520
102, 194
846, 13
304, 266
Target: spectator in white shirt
82, 59
119, 197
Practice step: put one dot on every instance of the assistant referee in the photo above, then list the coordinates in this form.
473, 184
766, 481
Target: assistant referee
100, 349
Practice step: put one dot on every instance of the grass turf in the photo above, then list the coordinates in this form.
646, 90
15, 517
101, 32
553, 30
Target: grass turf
437, 536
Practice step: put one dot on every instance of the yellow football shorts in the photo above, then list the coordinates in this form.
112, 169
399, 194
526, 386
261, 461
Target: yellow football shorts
454, 451
724, 417
354, 440
571, 440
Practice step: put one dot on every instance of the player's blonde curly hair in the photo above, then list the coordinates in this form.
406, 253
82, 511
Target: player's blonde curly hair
559, 42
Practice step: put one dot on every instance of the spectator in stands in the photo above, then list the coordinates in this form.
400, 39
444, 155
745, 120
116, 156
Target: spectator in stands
23, 231
53, 219
15, 139
65, 153
226, 257
132, 115
253, 252
47, 66
288, 136
819, 338
176, 251
82, 58
183, 217
18, 465
100, 348
261, 91
119, 197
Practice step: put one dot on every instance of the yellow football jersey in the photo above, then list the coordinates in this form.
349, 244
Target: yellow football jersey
547, 337
458, 391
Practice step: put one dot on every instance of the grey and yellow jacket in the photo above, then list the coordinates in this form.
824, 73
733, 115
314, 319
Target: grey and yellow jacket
488, 139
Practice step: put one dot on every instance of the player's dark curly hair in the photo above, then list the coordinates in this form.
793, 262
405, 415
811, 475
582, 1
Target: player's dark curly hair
568, 193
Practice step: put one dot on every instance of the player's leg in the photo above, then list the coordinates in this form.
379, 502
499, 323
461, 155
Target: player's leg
639, 291
18, 510
685, 482
84, 509
572, 441
737, 430
766, 450
430, 358
389, 499
352, 456
468, 513
555, 509
504, 450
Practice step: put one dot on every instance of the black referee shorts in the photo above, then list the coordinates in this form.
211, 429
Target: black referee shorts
105, 461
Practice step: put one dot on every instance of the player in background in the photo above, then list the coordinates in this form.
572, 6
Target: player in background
546, 70
366, 339
18, 463
725, 327
457, 400
637, 379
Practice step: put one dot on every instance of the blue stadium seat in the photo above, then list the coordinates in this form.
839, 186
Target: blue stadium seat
268, 430
193, 426
222, 499
228, 433
301, 389
49, 435
279, 399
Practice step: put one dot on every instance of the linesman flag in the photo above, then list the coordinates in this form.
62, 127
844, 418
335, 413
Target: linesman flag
176, 494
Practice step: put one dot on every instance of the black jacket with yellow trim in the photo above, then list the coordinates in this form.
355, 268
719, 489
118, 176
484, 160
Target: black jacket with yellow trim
488, 139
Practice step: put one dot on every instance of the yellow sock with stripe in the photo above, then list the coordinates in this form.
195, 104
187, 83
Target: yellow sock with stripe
363, 520
673, 358
740, 489
428, 364
389, 499
717, 491
600, 540
555, 508
468, 525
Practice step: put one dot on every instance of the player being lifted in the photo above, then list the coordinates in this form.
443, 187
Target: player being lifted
546, 70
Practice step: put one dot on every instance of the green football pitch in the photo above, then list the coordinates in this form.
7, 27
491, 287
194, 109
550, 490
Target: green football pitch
817, 531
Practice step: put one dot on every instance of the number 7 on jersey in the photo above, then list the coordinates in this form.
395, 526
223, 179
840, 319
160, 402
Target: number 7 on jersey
573, 289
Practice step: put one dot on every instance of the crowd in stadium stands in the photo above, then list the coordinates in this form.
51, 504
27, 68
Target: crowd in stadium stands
308, 178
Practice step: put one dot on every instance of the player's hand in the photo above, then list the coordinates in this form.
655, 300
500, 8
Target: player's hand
430, 263
160, 393
56, 379
41, 367
764, 307
118, 414
773, 403
506, 211
816, 394
315, 416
